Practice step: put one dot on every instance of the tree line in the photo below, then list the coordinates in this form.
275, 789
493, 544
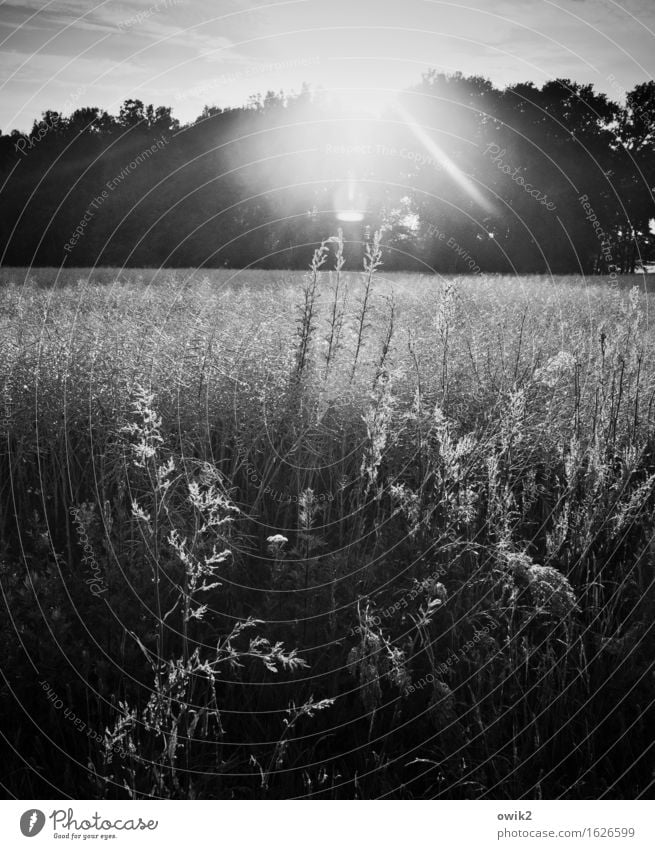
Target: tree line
462, 176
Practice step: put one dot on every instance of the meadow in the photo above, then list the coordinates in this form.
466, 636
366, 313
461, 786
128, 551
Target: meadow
331, 534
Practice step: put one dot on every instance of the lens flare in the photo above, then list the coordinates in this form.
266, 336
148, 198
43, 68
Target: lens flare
351, 215
450, 167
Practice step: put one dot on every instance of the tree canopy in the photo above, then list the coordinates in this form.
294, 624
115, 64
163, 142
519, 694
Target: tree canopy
462, 175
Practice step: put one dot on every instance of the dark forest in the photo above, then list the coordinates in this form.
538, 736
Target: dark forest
519, 180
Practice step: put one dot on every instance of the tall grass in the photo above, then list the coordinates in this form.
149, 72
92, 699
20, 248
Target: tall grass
354, 535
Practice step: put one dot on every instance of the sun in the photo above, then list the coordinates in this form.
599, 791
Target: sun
351, 216
350, 202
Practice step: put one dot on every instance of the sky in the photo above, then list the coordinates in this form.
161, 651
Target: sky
64, 54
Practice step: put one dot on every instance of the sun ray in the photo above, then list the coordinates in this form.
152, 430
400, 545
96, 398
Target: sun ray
450, 167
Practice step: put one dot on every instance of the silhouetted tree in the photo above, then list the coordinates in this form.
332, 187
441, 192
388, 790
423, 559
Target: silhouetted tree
461, 173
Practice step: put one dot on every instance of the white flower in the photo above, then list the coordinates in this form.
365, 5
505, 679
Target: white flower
277, 541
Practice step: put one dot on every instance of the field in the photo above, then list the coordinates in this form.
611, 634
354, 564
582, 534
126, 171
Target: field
269, 534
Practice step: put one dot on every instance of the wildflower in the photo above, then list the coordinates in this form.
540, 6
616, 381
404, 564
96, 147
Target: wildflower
277, 540
551, 591
276, 543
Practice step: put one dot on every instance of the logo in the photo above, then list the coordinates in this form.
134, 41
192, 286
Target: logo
32, 822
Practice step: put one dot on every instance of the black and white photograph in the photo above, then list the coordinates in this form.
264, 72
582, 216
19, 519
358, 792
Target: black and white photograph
327, 417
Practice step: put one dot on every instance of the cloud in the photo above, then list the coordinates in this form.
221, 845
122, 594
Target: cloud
153, 48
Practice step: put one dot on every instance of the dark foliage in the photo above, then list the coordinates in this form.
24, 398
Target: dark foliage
467, 176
